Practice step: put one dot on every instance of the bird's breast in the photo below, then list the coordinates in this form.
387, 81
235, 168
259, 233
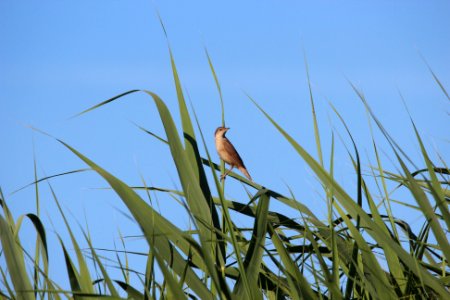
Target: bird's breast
222, 151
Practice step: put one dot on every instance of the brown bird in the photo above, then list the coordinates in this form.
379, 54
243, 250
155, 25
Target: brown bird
228, 153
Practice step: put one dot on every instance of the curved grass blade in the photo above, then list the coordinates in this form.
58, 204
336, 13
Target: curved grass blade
50, 177
313, 111
74, 277
152, 134
42, 237
104, 102
436, 79
219, 89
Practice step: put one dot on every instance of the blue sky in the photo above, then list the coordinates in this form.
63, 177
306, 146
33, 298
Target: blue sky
60, 57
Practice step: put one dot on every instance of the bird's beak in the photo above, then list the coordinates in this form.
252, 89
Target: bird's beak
227, 128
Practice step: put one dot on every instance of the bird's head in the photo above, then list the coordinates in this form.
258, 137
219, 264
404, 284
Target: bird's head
220, 131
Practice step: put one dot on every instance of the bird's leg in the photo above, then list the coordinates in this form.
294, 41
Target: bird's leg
222, 177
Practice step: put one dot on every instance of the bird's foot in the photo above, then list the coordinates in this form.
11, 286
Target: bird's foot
222, 177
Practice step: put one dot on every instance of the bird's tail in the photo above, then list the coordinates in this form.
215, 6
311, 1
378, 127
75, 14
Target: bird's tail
245, 172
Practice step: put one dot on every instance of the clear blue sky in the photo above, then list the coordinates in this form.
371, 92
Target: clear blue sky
58, 58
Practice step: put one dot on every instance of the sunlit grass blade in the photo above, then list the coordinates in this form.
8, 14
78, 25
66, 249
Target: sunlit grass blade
387, 198
437, 79
36, 181
219, 89
313, 112
175, 291
105, 102
12, 252
188, 130
383, 130
104, 273
152, 134
40, 230
330, 197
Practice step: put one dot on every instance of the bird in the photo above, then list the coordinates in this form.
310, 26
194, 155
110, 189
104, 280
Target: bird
228, 153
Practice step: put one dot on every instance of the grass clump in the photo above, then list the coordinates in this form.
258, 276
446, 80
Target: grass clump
361, 251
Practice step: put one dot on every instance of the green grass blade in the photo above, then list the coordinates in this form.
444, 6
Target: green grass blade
85, 280
253, 258
132, 292
36, 181
13, 254
313, 111
98, 262
437, 79
175, 290
105, 102
219, 89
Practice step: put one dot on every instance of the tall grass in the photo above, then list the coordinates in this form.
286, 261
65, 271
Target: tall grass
360, 251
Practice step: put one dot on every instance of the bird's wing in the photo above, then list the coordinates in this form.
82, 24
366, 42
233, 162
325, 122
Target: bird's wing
237, 160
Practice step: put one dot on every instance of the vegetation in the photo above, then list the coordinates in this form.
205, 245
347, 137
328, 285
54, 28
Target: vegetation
362, 251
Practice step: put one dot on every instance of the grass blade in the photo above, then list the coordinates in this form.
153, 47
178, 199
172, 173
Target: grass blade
15, 261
